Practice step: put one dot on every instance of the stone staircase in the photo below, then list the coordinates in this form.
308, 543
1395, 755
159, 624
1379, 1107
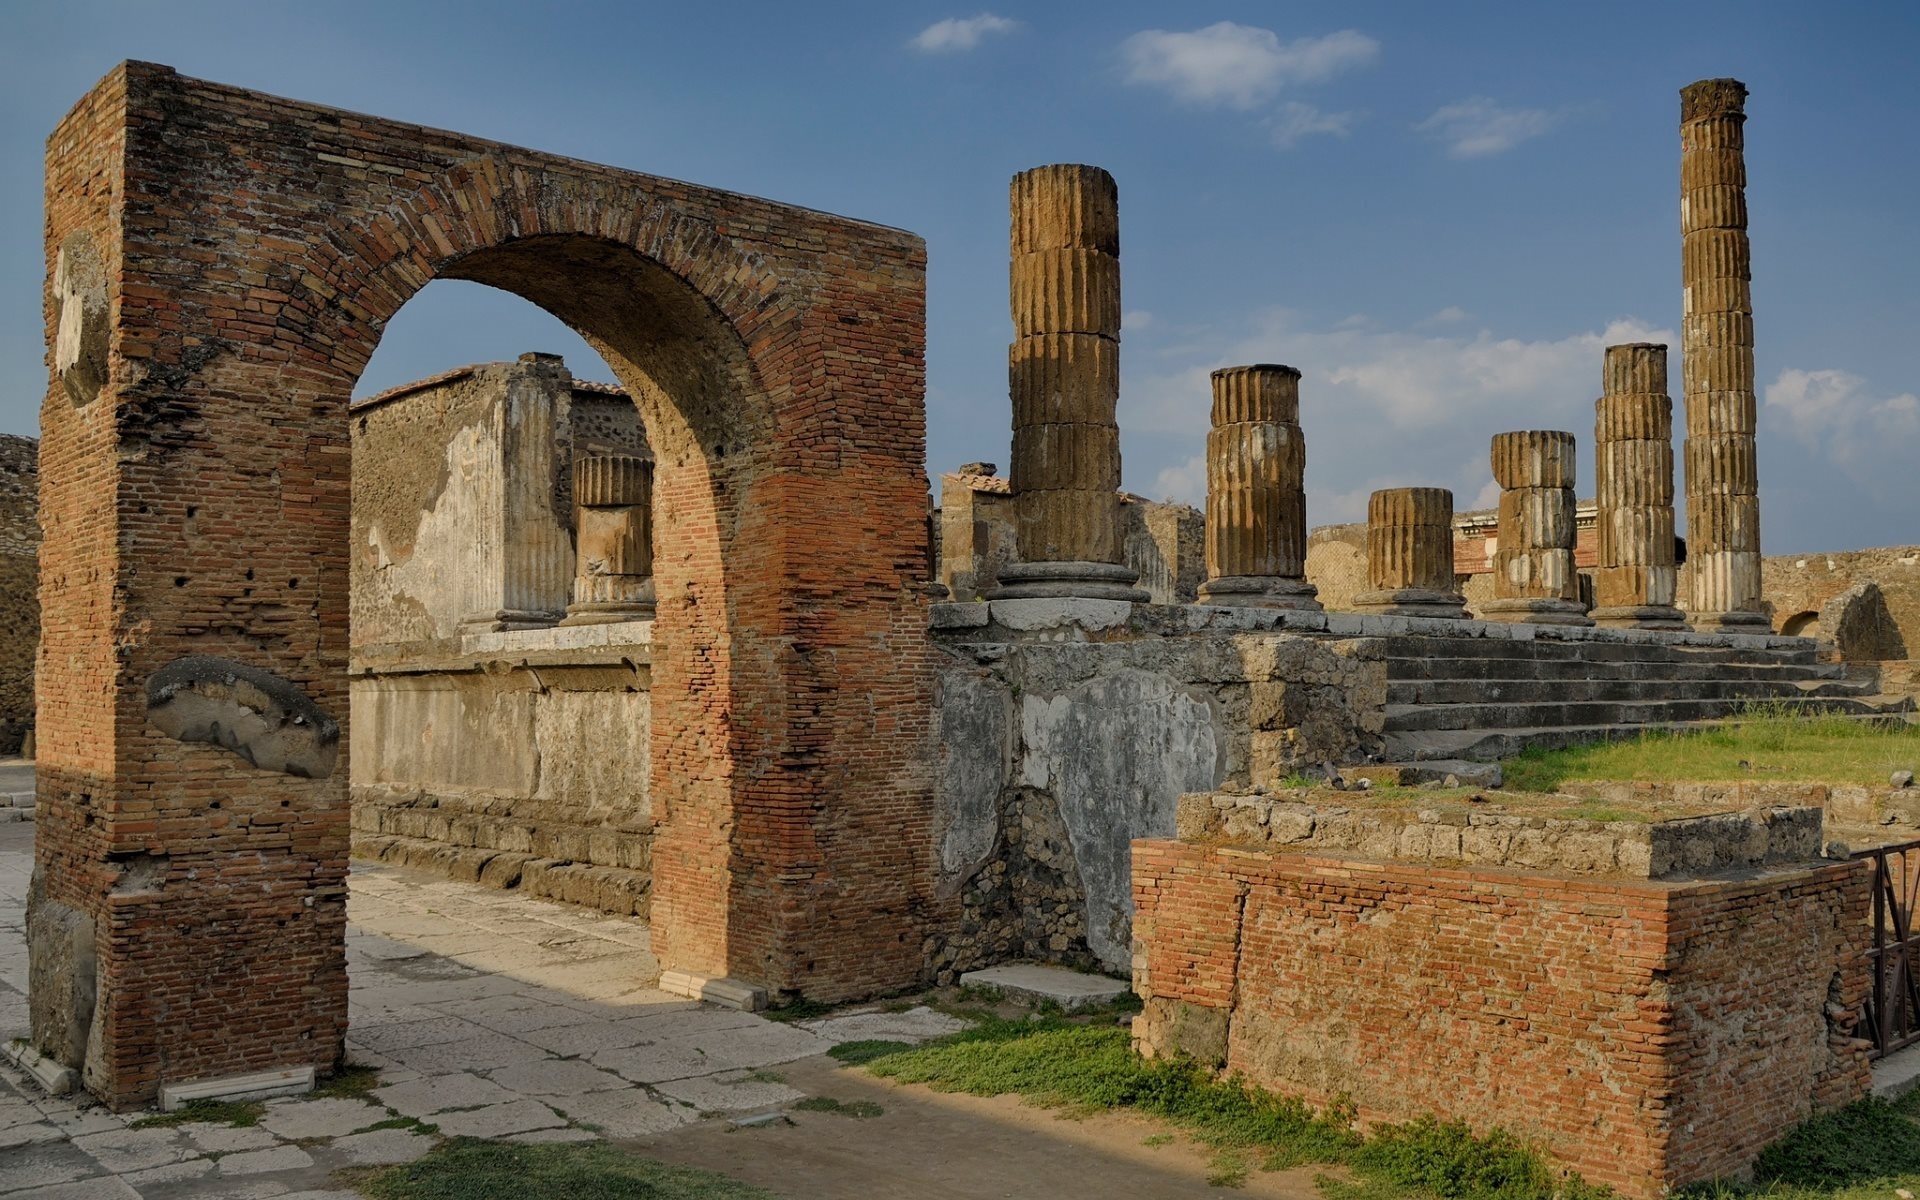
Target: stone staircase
1482, 699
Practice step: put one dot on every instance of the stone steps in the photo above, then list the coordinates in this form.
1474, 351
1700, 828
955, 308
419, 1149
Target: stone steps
1481, 699
1427, 692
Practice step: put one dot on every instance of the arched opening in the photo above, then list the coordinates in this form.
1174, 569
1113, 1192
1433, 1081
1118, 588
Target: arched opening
1802, 624
197, 514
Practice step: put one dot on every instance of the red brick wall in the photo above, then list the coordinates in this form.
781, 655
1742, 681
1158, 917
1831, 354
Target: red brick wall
1648, 1034
200, 506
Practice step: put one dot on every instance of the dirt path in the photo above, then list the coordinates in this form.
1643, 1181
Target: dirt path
930, 1145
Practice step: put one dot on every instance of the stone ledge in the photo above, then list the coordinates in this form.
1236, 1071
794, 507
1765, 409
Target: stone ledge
1682, 847
258, 1085
606, 643
722, 990
55, 1078
1071, 990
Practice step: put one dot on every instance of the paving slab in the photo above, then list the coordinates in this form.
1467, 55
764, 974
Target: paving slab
302, 1120
421, 1098
624, 1114
914, 1025
262, 1162
381, 1147
556, 1077
35, 1167
497, 1120
107, 1187
732, 1092
1071, 990
208, 1137
136, 1149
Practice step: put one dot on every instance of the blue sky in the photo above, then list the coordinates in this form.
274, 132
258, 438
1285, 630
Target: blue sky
1440, 212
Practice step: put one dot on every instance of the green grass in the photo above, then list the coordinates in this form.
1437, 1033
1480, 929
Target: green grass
856, 1053
1865, 1150
1765, 743
469, 1169
348, 1083
1089, 1068
841, 1108
241, 1114
798, 1010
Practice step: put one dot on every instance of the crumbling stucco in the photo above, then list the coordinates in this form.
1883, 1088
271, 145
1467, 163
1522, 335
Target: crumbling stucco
255, 714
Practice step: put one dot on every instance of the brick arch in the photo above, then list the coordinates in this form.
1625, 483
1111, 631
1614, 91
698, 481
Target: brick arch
255, 249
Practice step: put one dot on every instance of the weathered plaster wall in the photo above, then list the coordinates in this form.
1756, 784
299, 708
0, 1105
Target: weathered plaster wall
1062, 739
1795, 585
516, 759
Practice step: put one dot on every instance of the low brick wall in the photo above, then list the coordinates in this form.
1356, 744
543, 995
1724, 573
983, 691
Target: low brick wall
1646, 1033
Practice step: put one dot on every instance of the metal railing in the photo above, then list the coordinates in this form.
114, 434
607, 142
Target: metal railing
1893, 1007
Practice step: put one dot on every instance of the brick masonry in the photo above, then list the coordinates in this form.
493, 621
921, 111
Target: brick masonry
1589, 1014
251, 250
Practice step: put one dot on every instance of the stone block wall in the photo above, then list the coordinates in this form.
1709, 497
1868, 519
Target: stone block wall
1649, 1034
516, 759
1065, 729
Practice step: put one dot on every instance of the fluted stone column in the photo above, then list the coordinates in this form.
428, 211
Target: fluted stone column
1634, 581
1534, 579
1410, 555
1723, 484
1256, 491
1063, 373
613, 530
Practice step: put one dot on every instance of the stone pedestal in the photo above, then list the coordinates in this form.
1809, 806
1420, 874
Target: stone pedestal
1063, 373
1723, 492
1410, 555
613, 530
1256, 494
1634, 580
1534, 579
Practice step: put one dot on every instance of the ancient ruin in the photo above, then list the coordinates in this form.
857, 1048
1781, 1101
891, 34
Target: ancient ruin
1723, 482
1410, 555
669, 648
1635, 574
1534, 579
1256, 491
1063, 371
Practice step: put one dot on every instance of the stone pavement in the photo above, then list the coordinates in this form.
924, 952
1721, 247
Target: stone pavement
486, 1013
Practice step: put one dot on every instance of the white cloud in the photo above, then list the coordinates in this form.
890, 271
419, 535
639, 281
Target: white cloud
1136, 319
1182, 483
1834, 412
1380, 407
1479, 127
956, 34
1297, 122
1452, 314
1239, 66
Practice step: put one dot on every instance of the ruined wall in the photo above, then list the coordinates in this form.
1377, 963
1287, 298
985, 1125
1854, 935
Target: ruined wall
19, 585
1649, 1034
1798, 585
1067, 728
516, 759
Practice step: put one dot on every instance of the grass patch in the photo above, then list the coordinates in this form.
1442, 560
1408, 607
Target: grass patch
859, 1053
841, 1108
470, 1169
1093, 1068
241, 1114
1866, 1149
802, 1009
410, 1124
1766, 742
348, 1083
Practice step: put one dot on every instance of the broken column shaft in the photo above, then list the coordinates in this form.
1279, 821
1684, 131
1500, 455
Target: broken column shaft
1256, 491
1064, 377
1634, 579
1723, 493
1534, 579
1410, 555
613, 530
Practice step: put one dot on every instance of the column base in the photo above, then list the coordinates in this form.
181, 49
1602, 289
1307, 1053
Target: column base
507, 619
1413, 602
1068, 580
1532, 610
1261, 591
609, 598
1730, 622
1643, 616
